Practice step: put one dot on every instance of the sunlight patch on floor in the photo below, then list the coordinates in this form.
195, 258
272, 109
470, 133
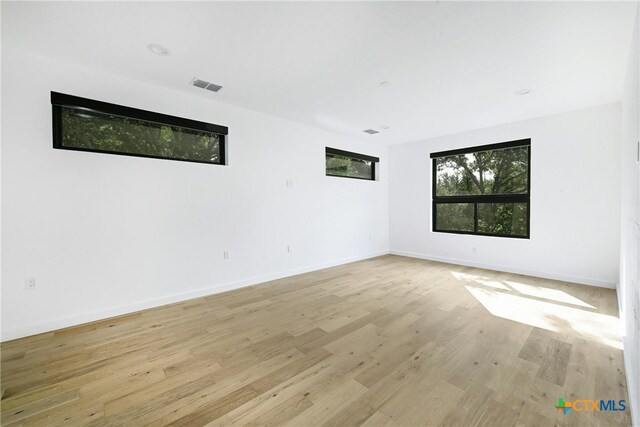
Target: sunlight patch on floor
547, 293
553, 317
529, 290
480, 280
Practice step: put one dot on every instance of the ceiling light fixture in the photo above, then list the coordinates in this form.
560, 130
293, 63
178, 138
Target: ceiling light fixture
370, 131
523, 91
158, 50
385, 84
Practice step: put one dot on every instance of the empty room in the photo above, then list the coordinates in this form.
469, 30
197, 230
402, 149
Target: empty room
369, 213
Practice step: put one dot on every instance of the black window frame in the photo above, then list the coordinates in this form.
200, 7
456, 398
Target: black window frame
61, 100
476, 199
358, 156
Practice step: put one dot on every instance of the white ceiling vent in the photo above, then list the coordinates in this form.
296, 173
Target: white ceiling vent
206, 85
370, 131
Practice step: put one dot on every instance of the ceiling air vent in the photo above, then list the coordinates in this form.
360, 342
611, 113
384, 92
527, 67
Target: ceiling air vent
370, 131
206, 85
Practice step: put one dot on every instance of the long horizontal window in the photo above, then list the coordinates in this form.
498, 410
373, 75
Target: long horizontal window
87, 125
483, 190
346, 164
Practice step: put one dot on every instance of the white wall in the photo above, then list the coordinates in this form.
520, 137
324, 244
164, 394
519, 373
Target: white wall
106, 234
575, 197
629, 287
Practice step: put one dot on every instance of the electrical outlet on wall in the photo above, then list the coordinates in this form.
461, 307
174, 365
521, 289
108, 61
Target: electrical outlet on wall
289, 248
30, 283
474, 250
225, 254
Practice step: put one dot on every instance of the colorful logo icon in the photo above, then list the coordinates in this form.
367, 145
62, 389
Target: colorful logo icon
563, 406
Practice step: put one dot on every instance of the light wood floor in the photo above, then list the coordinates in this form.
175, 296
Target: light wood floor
390, 341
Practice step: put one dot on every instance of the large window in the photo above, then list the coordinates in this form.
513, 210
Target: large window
87, 125
350, 165
483, 190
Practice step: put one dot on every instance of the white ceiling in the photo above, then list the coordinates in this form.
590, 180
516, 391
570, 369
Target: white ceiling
452, 66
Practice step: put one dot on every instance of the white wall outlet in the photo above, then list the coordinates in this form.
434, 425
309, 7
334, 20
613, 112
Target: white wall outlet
225, 254
370, 236
289, 183
289, 248
30, 283
474, 250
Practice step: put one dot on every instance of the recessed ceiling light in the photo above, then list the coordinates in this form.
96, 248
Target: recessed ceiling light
523, 91
158, 50
370, 131
385, 84
384, 127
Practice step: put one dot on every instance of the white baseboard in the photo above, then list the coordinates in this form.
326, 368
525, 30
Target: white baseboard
508, 269
170, 299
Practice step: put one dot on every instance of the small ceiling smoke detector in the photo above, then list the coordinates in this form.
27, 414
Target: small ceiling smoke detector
523, 91
385, 84
203, 84
370, 131
384, 127
158, 50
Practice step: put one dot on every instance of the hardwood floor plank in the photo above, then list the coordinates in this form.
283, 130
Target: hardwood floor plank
494, 411
34, 408
366, 405
439, 399
327, 403
282, 412
554, 365
211, 411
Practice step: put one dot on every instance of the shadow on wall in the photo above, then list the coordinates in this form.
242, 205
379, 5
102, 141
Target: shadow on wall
545, 308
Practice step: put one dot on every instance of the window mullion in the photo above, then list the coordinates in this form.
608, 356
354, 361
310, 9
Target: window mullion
475, 217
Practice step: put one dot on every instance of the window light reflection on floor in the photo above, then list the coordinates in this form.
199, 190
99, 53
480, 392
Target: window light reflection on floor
480, 280
551, 316
555, 295
547, 293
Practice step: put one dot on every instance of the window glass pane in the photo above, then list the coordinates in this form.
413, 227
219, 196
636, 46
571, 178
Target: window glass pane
454, 216
503, 218
91, 130
348, 166
502, 171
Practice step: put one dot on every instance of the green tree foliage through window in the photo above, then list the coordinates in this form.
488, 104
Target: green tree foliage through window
483, 191
350, 165
455, 216
347, 166
92, 130
485, 172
